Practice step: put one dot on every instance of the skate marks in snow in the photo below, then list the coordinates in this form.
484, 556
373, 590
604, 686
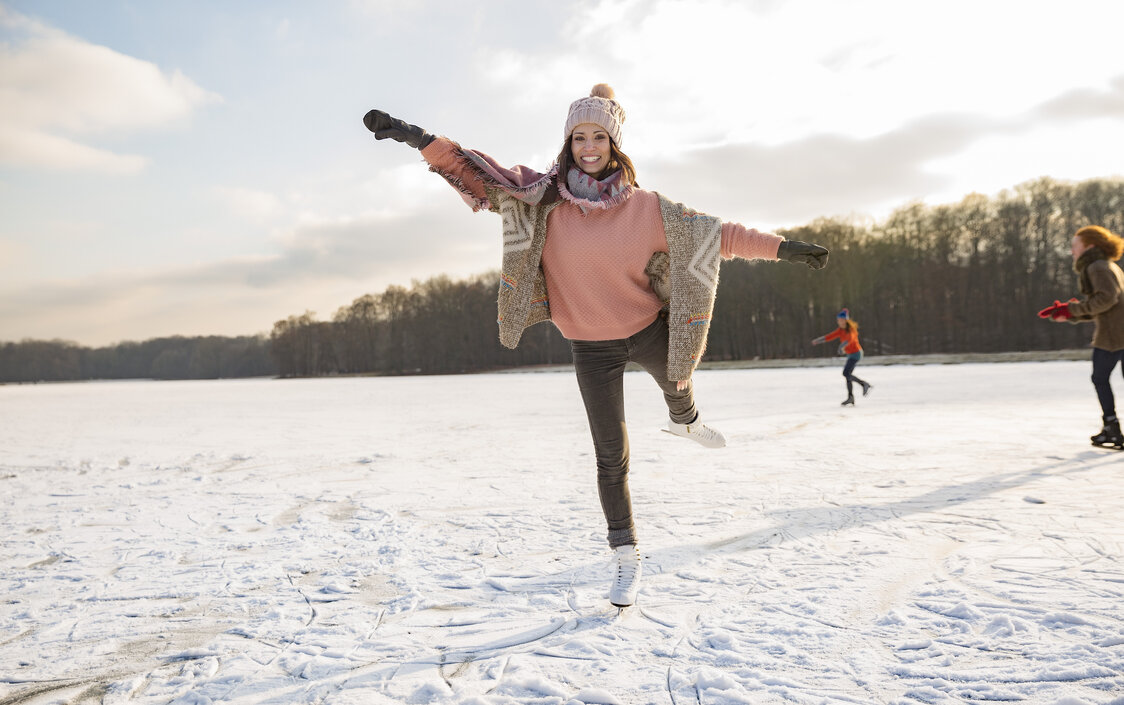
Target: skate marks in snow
248, 604
1003, 609
830, 516
478, 652
138, 587
902, 570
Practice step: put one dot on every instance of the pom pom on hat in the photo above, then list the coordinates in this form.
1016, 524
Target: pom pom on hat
599, 108
602, 90
843, 314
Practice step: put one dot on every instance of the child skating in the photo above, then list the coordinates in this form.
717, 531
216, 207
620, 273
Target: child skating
847, 333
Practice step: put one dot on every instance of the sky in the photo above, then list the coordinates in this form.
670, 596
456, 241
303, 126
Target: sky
201, 168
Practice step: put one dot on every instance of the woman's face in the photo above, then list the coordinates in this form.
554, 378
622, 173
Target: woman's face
1078, 247
589, 146
841, 322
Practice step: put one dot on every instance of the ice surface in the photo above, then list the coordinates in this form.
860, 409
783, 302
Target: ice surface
952, 538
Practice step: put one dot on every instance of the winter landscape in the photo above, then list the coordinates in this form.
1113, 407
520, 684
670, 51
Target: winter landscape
953, 538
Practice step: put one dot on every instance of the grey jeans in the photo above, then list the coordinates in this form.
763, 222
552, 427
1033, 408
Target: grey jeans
600, 366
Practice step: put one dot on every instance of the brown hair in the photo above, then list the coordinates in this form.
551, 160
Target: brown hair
617, 160
1106, 241
851, 325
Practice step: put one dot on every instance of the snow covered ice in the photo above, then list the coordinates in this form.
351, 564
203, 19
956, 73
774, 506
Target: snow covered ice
953, 538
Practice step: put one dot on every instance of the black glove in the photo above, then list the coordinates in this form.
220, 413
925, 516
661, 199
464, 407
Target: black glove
795, 251
385, 126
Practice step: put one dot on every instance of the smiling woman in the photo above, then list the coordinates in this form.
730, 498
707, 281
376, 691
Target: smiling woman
626, 275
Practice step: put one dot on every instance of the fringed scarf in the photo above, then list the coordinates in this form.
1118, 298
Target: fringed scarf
531, 187
588, 193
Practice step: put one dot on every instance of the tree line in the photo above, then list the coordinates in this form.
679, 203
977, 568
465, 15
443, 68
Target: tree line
438, 326
211, 357
955, 278
963, 277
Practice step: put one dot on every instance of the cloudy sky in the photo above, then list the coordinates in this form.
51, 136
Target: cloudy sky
201, 167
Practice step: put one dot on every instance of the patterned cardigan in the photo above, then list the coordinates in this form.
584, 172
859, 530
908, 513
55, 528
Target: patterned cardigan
685, 277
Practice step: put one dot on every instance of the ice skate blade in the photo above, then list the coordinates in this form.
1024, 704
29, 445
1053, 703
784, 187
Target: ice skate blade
1108, 446
691, 439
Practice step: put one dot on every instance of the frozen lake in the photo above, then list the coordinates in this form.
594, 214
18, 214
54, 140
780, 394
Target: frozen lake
953, 538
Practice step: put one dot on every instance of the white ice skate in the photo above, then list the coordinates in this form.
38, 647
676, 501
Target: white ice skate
698, 432
626, 581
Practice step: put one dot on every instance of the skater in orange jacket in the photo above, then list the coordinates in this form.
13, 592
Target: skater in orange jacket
848, 336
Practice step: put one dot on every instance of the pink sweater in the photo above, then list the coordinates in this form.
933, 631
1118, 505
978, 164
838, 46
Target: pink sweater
594, 261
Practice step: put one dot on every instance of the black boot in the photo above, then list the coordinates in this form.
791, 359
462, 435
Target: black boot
1110, 435
849, 401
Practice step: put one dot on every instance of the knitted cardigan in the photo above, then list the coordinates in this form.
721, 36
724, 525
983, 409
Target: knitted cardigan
685, 277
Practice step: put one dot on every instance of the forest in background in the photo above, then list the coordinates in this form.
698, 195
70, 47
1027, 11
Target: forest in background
952, 278
209, 357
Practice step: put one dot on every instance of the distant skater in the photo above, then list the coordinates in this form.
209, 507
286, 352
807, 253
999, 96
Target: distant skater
847, 333
625, 274
1095, 251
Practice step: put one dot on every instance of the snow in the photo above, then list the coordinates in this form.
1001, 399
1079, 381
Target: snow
952, 538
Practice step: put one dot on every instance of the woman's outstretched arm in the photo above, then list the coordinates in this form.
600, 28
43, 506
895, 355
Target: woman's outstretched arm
444, 156
740, 241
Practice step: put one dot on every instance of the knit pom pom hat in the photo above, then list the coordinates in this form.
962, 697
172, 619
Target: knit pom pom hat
600, 109
843, 314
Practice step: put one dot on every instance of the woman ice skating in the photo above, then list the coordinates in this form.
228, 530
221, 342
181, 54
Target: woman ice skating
847, 333
1095, 251
625, 274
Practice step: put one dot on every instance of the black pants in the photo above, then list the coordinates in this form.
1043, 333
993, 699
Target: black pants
849, 369
600, 366
1104, 362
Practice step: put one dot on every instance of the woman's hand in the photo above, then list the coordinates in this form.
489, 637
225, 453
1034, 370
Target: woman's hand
384, 126
681, 385
1058, 312
814, 256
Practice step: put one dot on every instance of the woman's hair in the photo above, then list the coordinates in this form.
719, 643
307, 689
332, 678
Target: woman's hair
851, 326
1106, 241
617, 160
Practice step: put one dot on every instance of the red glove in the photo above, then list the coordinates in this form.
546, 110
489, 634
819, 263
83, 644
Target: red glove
1057, 312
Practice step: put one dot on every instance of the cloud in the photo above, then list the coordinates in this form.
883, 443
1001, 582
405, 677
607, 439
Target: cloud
321, 266
254, 205
35, 148
383, 248
830, 174
797, 181
1085, 103
58, 91
710, 70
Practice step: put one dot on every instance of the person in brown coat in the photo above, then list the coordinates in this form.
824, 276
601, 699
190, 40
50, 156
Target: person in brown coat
1095, 251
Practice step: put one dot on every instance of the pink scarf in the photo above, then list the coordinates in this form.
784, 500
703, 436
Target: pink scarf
588, 193
530, 186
